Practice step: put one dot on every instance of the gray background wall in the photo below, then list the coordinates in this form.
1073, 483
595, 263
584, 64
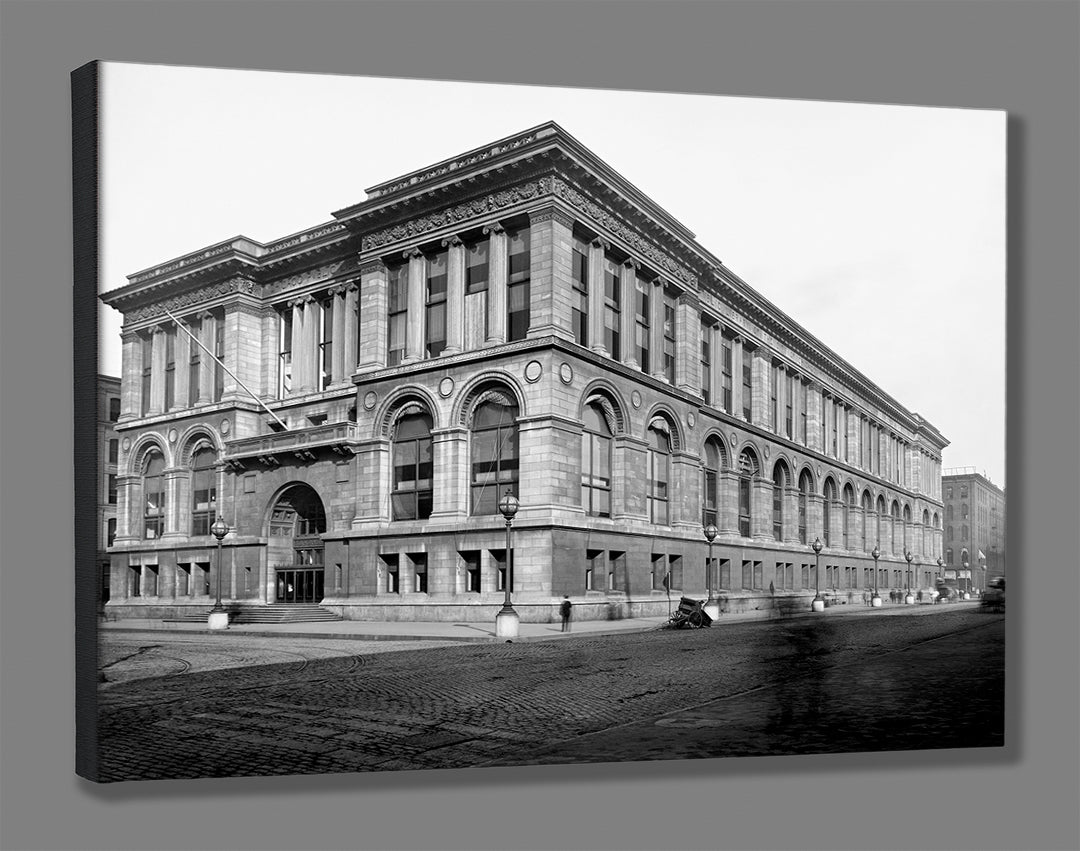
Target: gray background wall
1021, 57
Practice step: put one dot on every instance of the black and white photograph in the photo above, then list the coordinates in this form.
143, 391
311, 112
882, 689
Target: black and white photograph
450, 425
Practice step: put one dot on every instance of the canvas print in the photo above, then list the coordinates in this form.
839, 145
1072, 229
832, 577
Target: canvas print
447, 425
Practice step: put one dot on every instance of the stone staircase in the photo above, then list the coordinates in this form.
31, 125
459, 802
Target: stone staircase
275, 613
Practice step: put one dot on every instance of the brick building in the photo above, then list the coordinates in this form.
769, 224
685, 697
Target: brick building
518, 317
108, 413
974, 529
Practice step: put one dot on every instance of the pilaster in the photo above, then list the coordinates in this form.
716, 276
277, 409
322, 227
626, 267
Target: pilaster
455, 295
414, 334
687, 355
130, 376
182, 374
450, 457
207, 335
498, 270
597, 247
551, 273
157, 371
373, 330
627, 317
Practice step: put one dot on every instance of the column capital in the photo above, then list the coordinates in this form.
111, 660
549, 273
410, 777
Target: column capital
493, 228
452, 241
630, 263
157, 329
412, 253
551, 213
600, 242
375, 264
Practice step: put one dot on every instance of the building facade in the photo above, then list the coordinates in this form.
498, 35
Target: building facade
974, 529
518, 318
108, 414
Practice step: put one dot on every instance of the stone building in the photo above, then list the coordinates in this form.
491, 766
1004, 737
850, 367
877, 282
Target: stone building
519, 317
108, 413
974, 529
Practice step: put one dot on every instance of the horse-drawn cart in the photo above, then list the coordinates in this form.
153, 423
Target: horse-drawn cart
689, 615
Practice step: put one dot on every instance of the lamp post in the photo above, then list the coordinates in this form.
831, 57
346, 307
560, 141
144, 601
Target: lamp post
876, 599
507, 621
938, 580
960, 582
819, 602
712, 607
908, 598
219, 618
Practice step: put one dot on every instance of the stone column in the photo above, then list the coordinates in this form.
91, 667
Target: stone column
128, 492
728, 513
414, 335
450, 448
130, 376
498, 270
349, 352
176, 502
157, 371
243, 350
455, 295
627, 316
853, 423
597, 247
685, 491
761, 366
687, 355
629, 469
813, 417
656, 329
791, 514
761, 509
736, 376
181, 373
309, 355
207, 332
338, 360
372, 492
373, 329
814, 518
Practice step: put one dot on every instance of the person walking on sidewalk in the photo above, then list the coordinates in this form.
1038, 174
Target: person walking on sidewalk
564, 610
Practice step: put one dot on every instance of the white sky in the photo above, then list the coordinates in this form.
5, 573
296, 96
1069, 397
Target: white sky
880, 229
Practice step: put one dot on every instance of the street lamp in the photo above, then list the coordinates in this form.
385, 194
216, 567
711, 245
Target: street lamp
876, 599
967, 567
819, 602
507, 620
712, 608
908, 598
219, 618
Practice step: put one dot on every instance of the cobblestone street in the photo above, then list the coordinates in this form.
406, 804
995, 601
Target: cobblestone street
783, 686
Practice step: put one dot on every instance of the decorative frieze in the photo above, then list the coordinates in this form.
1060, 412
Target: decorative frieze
180, 302
300, 239
190, 260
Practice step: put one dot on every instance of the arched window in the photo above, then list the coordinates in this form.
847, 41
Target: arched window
806, 485
926, 533
907, 524
494, 454
154, 495
964, 532
949, 533
880, 515
779, 480
849, 505
711, 493
897, 535
948, 556
596, 445
659, 470
963, 511
829, 497
411, 498
748, 469
203, 490
867, 507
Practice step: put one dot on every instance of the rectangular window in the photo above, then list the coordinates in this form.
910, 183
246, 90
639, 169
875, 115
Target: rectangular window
476, 266
675, 576
147, 372
747, 384
706, 362
669, 337
726, 374
725, 573
594, 564
612, 307
114, 409
391, 583
110, 531
580, 295
326, 342
747, 575
659, 572
805, 576
435, 320
397, 292
501, 569
420, 576
774, 398
616, 564
112, 488
803, 412
642, 289
789, 403
114, 451
835, 424
170, 368
150, 580
135, 583
471, 561
518, 293
759, 576
285, 324
824, 423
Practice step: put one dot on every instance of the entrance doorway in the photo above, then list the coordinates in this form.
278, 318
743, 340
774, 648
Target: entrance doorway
297, 522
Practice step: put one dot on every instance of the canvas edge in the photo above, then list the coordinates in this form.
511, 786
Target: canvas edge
84, 190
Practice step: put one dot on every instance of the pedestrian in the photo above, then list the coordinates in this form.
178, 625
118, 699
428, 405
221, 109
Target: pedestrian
866, 598
564, 610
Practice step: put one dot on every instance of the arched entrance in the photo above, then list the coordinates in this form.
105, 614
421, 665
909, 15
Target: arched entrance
295, 545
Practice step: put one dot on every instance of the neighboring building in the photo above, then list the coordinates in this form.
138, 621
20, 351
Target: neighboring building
108, 413
974, 529
519, 318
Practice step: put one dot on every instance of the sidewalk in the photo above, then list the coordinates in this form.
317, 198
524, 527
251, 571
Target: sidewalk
485, 632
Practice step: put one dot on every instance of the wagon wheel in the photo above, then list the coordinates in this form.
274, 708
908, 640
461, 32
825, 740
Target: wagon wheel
696, 620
